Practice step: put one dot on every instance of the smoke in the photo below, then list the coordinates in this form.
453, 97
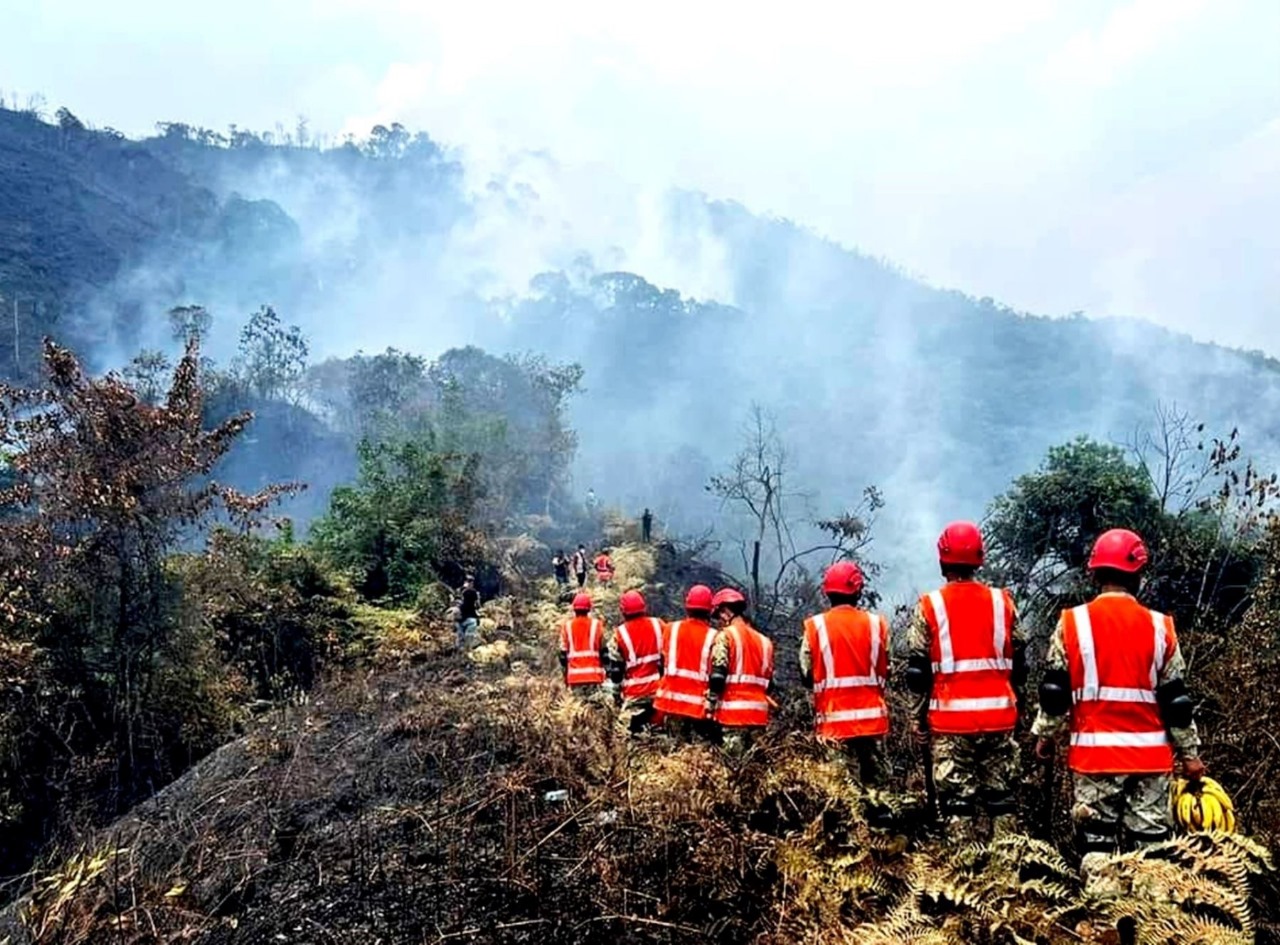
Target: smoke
874, 378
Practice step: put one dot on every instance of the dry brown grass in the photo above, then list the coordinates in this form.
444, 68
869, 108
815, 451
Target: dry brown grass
418, 803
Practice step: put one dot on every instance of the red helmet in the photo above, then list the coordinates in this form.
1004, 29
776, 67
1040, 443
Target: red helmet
960, 543
582, 602
843, 577
727, 595
632, 604
698, 598
1119, 549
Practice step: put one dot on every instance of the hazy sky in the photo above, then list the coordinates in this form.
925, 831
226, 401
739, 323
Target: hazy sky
1114, 157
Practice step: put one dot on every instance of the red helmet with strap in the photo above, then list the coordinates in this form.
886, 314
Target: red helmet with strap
582, 602
698, 598
961, 543
843, 577
1120, 550
727, 595
632, 604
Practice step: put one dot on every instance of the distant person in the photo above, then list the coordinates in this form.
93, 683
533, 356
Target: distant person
582, 646
741, 684
646, 526
561, 565
467, 626
592, 502
580, 565
604, 567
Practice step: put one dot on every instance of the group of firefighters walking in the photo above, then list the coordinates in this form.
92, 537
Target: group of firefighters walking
1113, 676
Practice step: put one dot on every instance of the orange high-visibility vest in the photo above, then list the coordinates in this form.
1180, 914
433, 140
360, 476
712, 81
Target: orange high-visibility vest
850, 651
971, 646
640, 640
745, 700
1116, 649
580, 637
686, 670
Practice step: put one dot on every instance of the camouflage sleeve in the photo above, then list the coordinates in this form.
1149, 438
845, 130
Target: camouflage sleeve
806, 658
1186, 741
1045, 725
719, 664
918, 650
614, 664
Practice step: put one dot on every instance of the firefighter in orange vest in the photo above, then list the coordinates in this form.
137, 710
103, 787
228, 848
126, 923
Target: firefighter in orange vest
581, 649
740, 688
966, 659
1114, 667
686, 670
844, 656
633, 661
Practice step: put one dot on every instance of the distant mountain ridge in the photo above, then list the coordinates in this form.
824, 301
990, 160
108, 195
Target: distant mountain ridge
874, 376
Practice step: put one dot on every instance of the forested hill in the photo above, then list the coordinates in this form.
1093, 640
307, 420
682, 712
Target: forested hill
873, 377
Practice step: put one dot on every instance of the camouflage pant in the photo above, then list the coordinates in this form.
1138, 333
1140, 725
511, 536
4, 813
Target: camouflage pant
738, 741
686, 729
865, 763
635, 716
1107, 804
972, 771
863, 760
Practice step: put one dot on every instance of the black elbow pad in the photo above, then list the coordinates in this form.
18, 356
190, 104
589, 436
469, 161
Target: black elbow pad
1055, 692
1176, 707
1019, 675
564, 660
919, 674
719, 678
615, 670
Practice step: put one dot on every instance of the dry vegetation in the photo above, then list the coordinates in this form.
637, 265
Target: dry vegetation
414, 801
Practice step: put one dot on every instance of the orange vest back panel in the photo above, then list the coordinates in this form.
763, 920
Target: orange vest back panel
640, 640
745, 701
971, 647
850, 651
581, 638
686, 669
1116, 649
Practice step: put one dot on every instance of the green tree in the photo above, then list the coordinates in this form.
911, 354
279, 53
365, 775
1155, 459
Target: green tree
408, 517
272, 356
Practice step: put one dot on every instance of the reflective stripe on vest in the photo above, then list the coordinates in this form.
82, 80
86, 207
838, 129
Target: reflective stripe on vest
745, 701
687, 669
584, 665
639, 682
1116, 729
848, 693
971, 694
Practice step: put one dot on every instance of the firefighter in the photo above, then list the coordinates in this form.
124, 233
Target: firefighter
844, 656
966, 659
581, 649
740, 689
686, 670
1115, 669
604, 567
634, 662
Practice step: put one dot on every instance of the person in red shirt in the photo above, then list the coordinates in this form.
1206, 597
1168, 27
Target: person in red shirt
739, 692
581, 649
634, 662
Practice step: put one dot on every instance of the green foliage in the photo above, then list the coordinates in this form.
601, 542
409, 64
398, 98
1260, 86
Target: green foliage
407, 518
272, 356
1205, 543
275, 612
109, 687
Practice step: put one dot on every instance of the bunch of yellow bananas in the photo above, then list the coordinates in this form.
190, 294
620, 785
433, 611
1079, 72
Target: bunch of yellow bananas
1203, 805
